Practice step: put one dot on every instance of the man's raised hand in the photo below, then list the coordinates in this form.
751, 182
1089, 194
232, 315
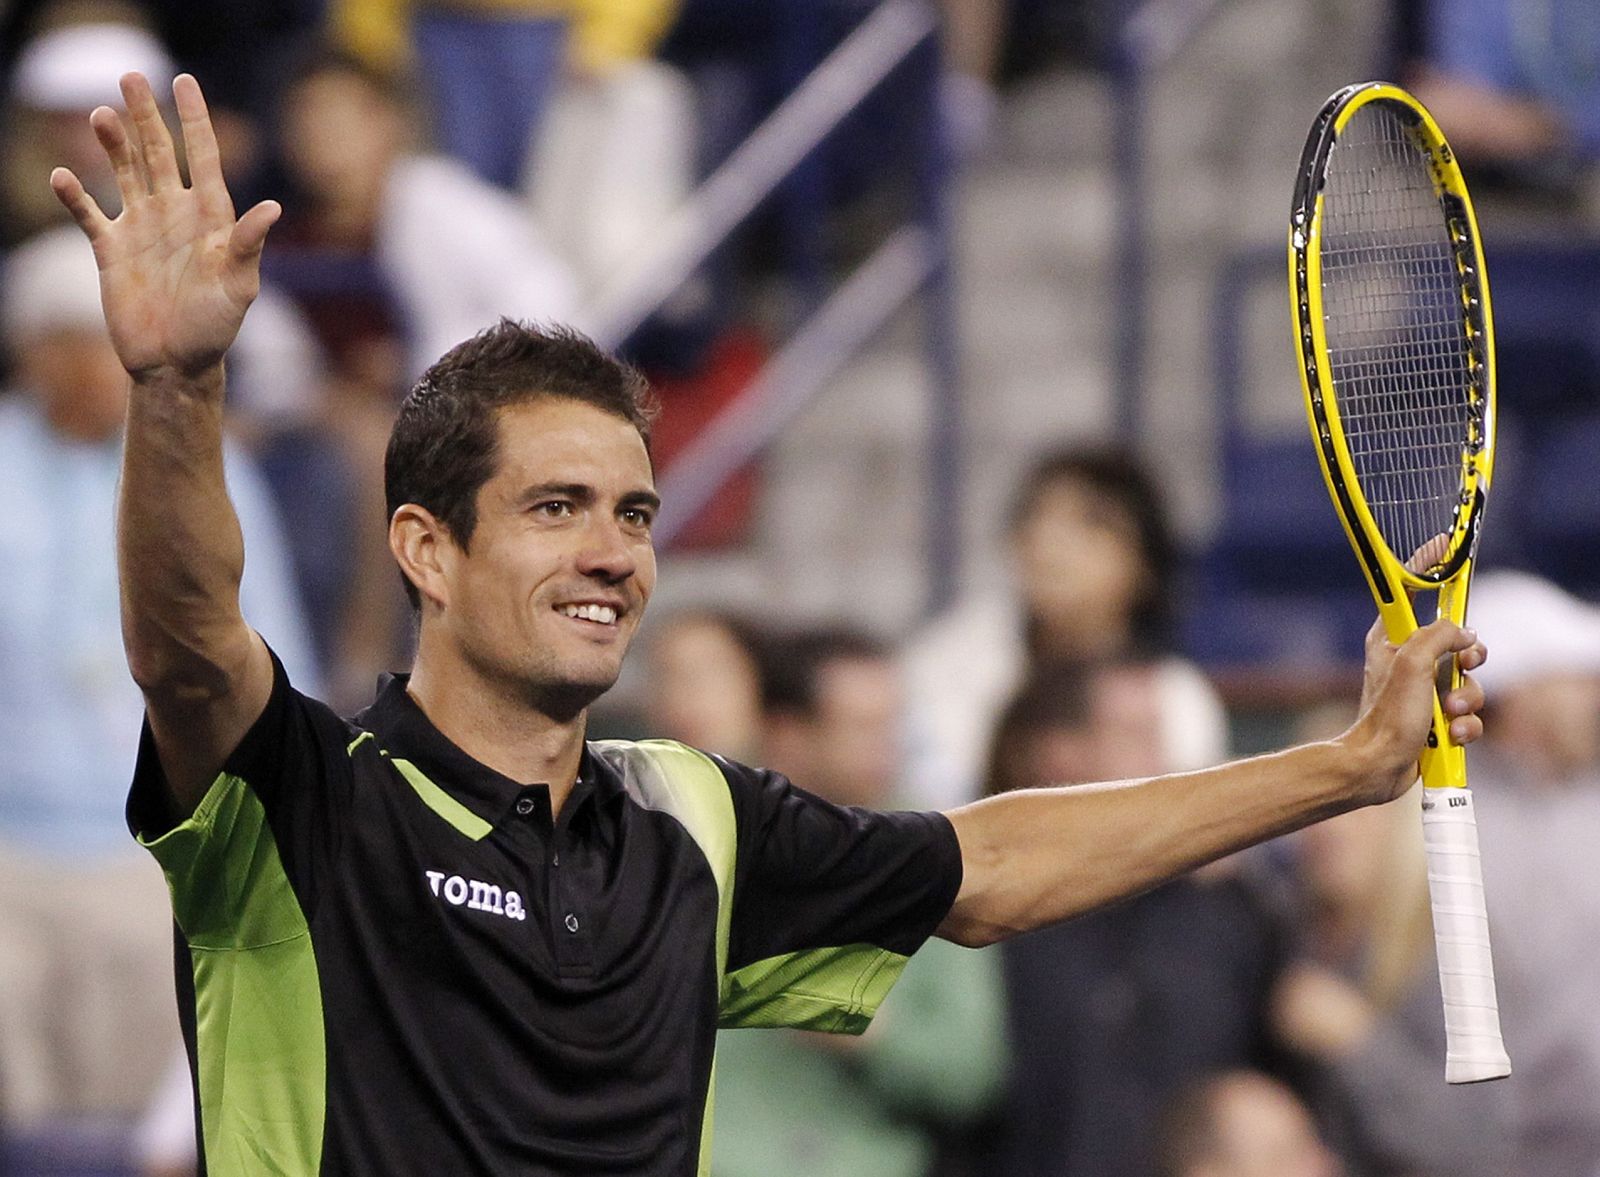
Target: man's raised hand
177, 269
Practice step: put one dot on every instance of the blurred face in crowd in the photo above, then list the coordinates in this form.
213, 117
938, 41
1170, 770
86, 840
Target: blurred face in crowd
1081, 569
550, 590
73, 145
848, 750
1344, 860
75, 373
705, 688
340, 137
1550, 724
1261, 1130
1120, 739
1128, 725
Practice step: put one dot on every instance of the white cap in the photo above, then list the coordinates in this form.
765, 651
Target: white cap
1533, 630
50, 282
77, 67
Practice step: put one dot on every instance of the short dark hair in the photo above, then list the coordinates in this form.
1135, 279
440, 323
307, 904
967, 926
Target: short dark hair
1055, 695
1120, 476
320, 58
445, 440
791, 664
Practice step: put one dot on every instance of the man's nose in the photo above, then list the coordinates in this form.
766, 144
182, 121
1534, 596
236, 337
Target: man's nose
607, 551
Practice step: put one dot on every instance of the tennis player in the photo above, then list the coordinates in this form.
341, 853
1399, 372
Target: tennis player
449, 935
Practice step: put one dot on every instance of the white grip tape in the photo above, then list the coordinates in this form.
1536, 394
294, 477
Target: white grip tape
1474, 1050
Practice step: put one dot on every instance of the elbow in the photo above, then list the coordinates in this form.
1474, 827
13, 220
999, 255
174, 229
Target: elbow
971, 933
187, 669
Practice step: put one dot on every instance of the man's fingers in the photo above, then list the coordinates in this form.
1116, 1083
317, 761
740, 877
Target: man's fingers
69, 191
250, 234
1434, 640
155, 141
1467, 699
200, 146
1429, 554
113, 138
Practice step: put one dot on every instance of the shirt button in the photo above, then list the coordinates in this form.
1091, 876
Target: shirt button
525, 806
572, 922
555, 859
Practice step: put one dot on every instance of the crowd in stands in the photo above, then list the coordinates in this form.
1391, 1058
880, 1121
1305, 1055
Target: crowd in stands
443, 164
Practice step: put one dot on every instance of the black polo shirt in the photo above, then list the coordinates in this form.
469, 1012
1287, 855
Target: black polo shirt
393, 961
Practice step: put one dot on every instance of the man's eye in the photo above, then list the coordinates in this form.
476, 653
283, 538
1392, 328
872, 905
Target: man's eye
554, 508
637, 516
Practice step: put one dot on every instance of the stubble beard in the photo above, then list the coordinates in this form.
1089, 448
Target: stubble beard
540, 681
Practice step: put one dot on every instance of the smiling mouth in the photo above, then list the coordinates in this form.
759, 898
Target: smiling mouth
599, 614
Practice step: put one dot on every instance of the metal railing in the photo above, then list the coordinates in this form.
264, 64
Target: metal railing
897, 36
1148, 40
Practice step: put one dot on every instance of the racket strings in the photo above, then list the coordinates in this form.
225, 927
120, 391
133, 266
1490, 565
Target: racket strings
1395, 327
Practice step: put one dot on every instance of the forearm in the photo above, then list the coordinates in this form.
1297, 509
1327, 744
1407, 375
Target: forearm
204, 673
180, 552
1039, 856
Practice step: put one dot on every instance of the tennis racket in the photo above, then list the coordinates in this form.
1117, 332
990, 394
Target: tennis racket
1396, 348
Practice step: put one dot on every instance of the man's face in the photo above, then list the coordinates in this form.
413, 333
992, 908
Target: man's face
560, 565
75, 373
707, 690
1079, 562
857, 730
340, 137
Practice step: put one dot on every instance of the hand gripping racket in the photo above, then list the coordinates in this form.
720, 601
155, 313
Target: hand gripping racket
1392, 326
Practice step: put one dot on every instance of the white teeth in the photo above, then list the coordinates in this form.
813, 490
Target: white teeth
604, 614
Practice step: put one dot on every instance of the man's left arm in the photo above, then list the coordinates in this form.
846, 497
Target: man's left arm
1037, 857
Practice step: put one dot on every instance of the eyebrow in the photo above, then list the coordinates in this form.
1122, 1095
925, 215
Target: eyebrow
584, 493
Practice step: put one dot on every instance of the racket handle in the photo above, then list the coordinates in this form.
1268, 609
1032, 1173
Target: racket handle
1474, 1050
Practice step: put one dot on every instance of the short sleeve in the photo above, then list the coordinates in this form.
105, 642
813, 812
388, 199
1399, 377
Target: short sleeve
829, 903
271, 820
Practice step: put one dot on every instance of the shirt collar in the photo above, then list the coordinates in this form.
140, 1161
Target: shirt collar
405, 731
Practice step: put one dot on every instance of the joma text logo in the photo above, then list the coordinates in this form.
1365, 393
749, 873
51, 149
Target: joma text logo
476, 896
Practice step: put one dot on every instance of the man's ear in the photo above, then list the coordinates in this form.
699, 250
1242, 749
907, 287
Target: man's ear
425, 550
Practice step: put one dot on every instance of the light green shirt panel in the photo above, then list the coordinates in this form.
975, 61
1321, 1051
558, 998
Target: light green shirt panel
837, 990
673, 778
260, 1041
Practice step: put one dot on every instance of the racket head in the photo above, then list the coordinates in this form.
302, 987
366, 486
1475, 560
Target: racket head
1394, 333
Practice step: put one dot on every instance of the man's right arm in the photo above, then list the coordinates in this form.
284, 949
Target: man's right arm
177, 273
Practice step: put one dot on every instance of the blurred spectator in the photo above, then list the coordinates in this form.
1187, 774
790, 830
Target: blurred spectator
454, 253
1093, 566
87, 1019
705, 683
1516, 87
395, 257
1536, 785
493, 67
817, 1105
69, 67
1113, 1013
1363, 1002
1241, 1124
831, 707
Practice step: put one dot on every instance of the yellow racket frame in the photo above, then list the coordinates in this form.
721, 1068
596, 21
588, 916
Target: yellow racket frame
1392, 582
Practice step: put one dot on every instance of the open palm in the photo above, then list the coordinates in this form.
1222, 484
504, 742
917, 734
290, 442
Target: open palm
177, 269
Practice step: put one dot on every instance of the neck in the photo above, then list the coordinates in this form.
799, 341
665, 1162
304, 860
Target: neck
497, 728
